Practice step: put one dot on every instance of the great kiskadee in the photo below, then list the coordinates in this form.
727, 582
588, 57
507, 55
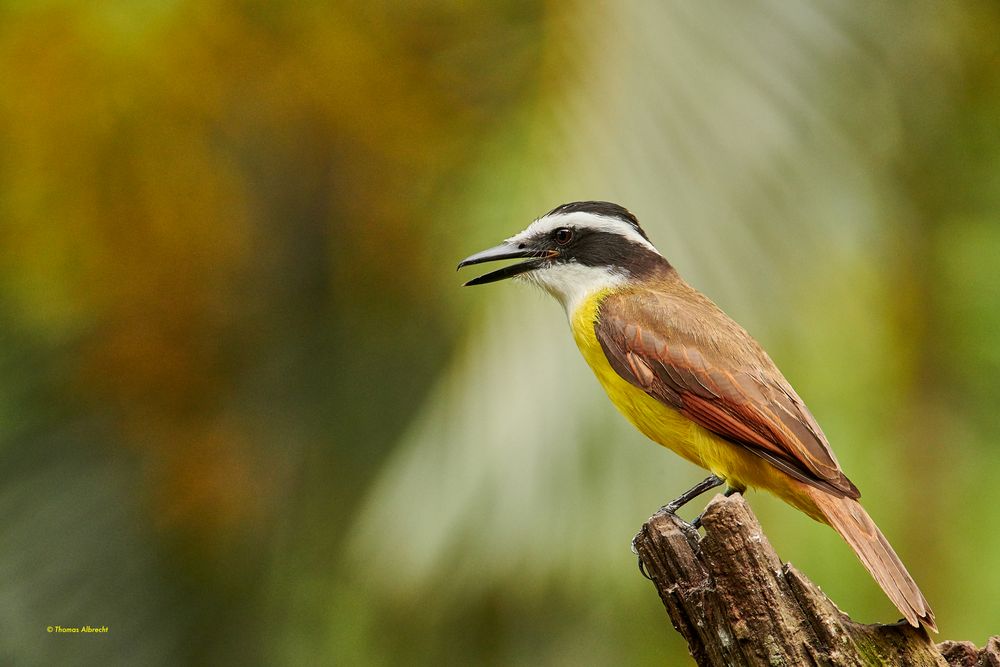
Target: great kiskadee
690, 378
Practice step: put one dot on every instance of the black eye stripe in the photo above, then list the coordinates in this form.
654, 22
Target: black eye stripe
593, 247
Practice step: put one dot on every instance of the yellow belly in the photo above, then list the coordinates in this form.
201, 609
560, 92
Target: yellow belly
668, 427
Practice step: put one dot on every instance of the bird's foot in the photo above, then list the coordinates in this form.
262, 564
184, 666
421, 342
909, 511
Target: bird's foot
672, 507
638, 558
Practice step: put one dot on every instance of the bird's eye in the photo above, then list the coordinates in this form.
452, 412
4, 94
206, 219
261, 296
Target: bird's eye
563, 235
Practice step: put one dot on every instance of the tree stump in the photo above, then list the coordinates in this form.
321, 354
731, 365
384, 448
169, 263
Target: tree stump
736, 603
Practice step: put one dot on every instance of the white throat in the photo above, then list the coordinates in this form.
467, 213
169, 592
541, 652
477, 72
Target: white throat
572, 283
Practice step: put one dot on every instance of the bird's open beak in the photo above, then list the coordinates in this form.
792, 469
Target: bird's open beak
506, 250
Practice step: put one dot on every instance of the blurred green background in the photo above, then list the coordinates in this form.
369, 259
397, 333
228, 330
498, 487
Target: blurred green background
249, 417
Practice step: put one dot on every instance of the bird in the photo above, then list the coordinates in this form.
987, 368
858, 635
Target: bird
690, 378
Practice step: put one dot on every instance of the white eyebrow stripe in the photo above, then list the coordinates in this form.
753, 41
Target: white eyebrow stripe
582, 220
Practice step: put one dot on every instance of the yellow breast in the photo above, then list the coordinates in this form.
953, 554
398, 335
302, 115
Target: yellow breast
657, 421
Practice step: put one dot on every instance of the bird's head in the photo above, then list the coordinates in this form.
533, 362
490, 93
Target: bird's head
574, 250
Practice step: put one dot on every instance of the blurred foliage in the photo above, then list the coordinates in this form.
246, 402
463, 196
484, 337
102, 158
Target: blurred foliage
247, 416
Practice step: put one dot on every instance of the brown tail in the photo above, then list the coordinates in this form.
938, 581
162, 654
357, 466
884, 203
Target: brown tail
848, 518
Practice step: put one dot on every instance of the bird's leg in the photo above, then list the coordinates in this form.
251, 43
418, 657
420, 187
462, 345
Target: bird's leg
729, 491
701, 487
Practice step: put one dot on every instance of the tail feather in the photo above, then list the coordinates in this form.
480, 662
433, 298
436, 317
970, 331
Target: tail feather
849, 518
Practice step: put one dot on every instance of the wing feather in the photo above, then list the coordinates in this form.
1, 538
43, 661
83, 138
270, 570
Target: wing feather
707, 367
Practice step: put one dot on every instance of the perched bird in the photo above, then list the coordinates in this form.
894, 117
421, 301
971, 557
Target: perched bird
690, 378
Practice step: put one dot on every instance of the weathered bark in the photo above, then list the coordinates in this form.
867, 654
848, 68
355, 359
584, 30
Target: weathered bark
736, 603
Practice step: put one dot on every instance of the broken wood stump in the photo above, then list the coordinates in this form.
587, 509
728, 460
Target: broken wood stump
736, 603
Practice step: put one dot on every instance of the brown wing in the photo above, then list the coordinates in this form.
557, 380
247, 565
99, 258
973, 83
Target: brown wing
689, 355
